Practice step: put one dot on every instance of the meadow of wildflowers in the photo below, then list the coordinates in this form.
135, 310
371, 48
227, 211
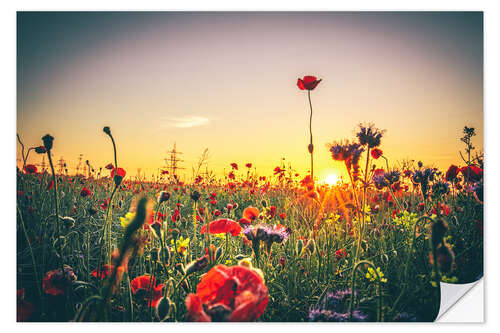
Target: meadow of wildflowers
106, 247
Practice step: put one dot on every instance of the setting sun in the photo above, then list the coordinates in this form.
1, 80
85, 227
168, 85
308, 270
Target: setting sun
332, 179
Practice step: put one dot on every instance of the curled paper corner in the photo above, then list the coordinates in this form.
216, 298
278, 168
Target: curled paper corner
455, 309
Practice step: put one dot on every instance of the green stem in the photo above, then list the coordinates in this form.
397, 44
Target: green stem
379, 289
311, 136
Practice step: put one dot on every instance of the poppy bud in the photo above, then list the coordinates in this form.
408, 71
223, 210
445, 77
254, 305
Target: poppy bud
264, 203
438, 230
107, 130
163, 308
195, 195
48, 141
40, 150
156, 226
420, 164
310, 148
197, 265
68, 222
240, 256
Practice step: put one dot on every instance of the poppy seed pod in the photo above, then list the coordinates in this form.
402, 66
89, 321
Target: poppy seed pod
48, 141
164, 308
310, 148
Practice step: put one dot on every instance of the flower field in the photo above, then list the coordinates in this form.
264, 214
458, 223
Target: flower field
248, 247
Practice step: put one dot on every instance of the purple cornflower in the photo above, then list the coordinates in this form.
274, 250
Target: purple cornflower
380, 181
392, 176
334, 307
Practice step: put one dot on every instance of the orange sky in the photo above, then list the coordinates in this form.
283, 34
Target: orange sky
227, 82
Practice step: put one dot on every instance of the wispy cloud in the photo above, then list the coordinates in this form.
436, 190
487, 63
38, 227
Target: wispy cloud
186, 122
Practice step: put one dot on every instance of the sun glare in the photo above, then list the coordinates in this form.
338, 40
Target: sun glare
331, 179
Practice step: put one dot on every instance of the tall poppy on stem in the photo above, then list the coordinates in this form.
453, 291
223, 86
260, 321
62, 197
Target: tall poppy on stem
309, 83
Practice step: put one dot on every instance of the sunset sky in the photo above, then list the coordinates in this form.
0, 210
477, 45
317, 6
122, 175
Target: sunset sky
227, 82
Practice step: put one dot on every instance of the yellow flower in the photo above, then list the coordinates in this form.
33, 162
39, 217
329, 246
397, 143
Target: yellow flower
181, 244
372, 275
125, 221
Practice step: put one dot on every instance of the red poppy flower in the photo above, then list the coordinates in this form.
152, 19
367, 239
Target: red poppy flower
308, 82
109, 166
248, 165
213, 202
249, 214
452, 173
278, 170
271, 212
30, 169
307, 182
164, 172
105, 271
376, 153
340, 254
24, 308
231, 175
234, 166
54, 283
104, 204
235, 293
379, 172
176, 216
222, 226
51, 185
472, 173
142, 287
85, 192
119, 172
282, 216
